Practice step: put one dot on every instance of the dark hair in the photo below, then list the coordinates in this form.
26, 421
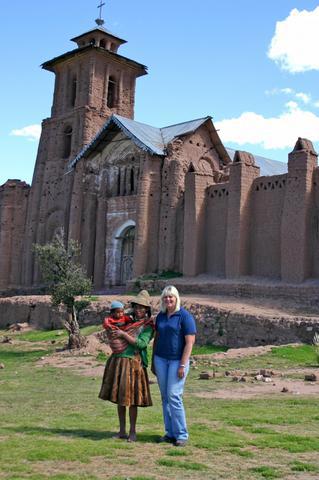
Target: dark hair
148, 309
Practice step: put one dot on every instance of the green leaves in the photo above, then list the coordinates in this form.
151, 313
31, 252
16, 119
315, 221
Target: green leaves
61, 270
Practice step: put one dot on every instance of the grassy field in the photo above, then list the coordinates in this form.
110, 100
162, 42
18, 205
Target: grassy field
53, 426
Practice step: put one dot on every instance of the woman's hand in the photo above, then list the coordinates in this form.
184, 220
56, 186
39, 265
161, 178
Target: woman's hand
117, 333
181, 372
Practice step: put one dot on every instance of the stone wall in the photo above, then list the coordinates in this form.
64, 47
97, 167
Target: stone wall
226, 328
217, 326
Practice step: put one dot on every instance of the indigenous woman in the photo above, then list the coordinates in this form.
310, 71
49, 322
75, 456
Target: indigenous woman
175, 331
125, 379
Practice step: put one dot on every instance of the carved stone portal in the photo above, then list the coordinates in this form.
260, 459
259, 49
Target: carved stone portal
126, 268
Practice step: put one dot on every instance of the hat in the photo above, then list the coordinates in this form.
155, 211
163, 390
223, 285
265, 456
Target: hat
142, 298
116, 304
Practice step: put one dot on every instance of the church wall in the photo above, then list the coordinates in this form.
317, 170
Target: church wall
14, 196
268, 227
120, 210
296, 232
148, 233
315, 225
216, 228
192, 151
243, 173
267, 201
124, 78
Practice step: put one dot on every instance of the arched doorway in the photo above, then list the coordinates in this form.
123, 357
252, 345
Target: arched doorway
127, 253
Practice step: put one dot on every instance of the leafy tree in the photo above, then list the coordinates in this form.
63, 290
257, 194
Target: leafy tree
65, 279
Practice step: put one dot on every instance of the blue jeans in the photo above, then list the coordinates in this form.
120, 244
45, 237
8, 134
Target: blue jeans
171, 388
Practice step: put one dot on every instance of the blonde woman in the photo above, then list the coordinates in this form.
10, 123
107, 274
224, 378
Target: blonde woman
175, 331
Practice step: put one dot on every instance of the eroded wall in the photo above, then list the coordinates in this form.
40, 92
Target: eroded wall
216, 228
267, 200
14, 196
260, 226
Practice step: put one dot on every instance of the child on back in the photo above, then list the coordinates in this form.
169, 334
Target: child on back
116, 320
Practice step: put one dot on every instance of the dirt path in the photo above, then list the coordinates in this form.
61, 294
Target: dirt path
84, 362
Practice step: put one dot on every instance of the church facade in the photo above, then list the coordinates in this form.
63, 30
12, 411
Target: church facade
141, 199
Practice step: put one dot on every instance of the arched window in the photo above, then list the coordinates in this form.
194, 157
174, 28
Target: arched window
92, 41
111, 93
67, 142
73, 91
102, 43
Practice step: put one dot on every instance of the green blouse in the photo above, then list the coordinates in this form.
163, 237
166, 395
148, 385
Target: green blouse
140, 346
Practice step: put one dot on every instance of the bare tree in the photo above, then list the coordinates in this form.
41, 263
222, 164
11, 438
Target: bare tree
65, 279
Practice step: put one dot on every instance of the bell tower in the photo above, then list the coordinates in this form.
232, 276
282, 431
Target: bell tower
92, 81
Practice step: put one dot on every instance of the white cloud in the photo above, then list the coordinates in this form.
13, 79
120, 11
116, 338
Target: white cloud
31, 132
277, 91
295, 43
287, 91
305, 97
271, 133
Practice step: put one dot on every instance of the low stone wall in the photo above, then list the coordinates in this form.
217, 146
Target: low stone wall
306, 293
226, 328
215, 325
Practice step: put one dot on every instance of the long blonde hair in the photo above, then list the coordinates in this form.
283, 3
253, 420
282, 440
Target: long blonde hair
170, 290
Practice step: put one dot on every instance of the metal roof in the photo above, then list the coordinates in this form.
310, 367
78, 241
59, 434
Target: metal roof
267, 166
180, 129
151, 139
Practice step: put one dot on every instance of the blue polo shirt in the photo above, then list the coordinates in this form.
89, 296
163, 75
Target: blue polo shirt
171, 333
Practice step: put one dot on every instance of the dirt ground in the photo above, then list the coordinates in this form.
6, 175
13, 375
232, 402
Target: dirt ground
83, 362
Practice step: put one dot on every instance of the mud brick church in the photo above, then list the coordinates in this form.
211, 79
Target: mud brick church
142, 199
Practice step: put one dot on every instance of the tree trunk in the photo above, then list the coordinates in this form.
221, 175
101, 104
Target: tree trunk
76, 340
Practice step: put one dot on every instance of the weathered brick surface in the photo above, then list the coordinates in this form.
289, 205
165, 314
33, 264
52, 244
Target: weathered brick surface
14, 196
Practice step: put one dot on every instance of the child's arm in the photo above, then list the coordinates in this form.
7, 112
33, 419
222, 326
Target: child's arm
107, 323
141, 341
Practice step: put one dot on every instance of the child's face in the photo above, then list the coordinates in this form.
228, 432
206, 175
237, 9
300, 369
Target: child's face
117, 313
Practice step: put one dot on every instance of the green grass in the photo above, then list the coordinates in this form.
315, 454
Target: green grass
267, 472
278, 358
302, 355
207, 349
53, 426
49, 335
185, 465
304, 467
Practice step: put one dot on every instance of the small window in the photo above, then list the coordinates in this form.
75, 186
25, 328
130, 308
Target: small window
102, 43
73, 91
67, 142
132, 183
119, 182
92, 41
113, 47
111, 93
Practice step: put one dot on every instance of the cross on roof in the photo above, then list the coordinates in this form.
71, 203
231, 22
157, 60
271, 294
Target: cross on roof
100, 7
99, 21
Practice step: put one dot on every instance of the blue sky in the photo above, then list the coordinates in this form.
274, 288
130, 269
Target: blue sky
253, 65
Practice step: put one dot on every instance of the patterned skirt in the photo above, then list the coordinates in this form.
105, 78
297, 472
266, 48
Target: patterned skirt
125, 382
